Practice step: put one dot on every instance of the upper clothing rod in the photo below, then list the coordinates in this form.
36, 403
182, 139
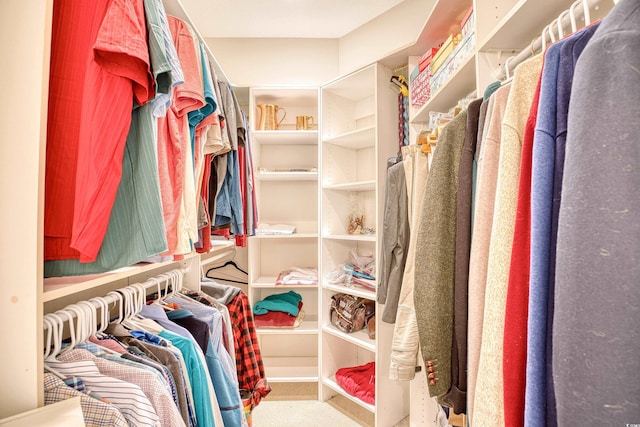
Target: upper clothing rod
577, 7
155, 282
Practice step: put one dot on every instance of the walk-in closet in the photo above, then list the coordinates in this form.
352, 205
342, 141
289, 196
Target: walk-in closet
398, 213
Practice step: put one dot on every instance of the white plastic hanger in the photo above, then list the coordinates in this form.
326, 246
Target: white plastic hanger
142, 322
48, 328
119, 302
81, 325
543, 38
550, 31
559, 21
587, 13
52, 338
58, 316
507, 70
103, 322
56, 329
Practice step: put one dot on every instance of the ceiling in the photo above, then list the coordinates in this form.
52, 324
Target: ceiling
283, 18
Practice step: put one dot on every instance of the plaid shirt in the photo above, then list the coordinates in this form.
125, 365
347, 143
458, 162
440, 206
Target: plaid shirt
248, 358
95, 412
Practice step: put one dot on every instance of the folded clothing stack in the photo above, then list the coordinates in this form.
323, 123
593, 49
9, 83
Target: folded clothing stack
276, 229
298, 276
282, 310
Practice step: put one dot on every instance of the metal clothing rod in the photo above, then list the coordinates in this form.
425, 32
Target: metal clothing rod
579, 9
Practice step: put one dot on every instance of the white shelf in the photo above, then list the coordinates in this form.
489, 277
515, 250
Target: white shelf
359, 338
352, 237
333, 385
291, 369
286, 236
307, 327
355, 139
516, 28
352, 186
285, 137
286, 176
60, 287
461, 82
270, 282
354, 290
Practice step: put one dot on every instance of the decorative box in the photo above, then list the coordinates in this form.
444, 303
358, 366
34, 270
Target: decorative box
414, 74
468, 22
425, 60
420, 89
461, 53
444, 52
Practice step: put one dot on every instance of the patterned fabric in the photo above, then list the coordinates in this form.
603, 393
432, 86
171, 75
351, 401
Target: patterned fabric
149, 337
95, 412
138, 361
148, 382
249, 364
75, 383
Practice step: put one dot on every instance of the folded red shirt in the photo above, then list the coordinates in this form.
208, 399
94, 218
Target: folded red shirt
359, 381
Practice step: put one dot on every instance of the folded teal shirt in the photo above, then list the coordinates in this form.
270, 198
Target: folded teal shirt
286, 302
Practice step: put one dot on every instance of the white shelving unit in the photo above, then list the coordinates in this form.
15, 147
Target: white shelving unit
286, 195
358, 126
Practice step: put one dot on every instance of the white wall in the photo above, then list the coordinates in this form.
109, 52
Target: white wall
312, 62
25, 34
396, 29
269, 62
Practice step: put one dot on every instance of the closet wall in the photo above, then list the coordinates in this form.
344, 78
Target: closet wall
270, 62
22, 134
304, 62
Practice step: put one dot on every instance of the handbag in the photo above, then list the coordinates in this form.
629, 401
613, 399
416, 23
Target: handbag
350, 313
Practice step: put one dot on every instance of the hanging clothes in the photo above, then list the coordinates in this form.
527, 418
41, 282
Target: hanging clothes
90, 101
395, 241
490, 407
516, 308
456, 398
95, 412
487, 167
595, 336
405, 344
435, 257
229, 199
251, 376
547, 167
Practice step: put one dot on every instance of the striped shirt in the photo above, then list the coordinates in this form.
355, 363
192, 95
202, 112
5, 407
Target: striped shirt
95, 412
127, 397
152, 387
